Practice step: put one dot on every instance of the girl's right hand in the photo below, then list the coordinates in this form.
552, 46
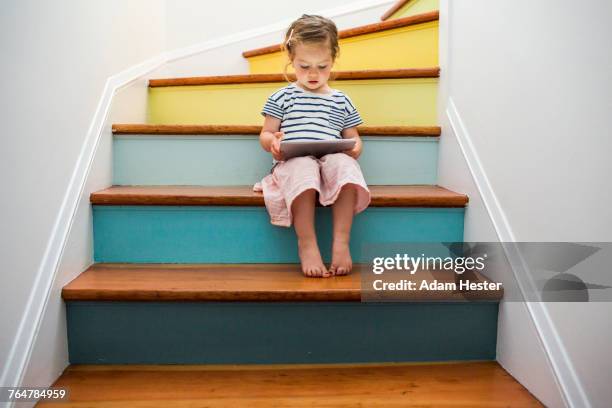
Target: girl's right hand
275, 147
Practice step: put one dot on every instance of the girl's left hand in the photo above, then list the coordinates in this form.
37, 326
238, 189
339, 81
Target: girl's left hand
355, 152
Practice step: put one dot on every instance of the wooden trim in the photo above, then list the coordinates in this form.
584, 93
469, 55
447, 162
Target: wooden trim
207, 282
245, 283
396, 6
361, 30
146, 129
433, 72
381, 196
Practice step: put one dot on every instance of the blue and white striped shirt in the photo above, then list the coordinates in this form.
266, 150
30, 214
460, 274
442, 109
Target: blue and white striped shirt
307, 115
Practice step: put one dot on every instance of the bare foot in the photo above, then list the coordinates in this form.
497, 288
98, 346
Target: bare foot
341, 263
312, 264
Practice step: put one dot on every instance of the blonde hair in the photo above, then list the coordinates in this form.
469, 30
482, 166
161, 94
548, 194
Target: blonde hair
310, 29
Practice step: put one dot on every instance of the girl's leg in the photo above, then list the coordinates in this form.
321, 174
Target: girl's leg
342, 186
303, 209
342, 211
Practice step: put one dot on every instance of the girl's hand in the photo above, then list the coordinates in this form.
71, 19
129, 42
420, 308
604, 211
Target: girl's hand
351, 133
275, 147
355, 152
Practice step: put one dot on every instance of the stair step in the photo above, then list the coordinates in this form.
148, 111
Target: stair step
152, 129
404, 42
467, 384
408, 101
241, 282
382, 196
361, 30
198, 224
264, 78
159, 159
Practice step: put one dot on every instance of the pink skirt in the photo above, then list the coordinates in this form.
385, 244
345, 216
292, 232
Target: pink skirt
326, 175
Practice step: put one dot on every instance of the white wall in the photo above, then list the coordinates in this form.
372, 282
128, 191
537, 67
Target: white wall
56, 58
532, 85
195, 21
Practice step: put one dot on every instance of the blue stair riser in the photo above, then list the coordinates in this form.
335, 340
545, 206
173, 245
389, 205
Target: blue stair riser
239, 160
278, 333
219, 234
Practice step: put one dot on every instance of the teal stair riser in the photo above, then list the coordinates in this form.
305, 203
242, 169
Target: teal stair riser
239, 160
217, 234
278, 333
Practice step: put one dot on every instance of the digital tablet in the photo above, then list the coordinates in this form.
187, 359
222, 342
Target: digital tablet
317, 148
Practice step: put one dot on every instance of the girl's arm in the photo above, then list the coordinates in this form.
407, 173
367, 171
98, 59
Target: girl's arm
351, 133
270, 137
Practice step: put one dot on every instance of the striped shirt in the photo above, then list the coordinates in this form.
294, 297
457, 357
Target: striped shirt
307, 115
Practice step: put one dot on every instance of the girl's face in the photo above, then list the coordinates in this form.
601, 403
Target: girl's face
312, 64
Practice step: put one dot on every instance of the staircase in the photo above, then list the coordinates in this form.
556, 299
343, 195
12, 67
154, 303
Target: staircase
189, 271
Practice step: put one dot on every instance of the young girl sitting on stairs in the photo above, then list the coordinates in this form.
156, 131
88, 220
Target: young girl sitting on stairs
310, 109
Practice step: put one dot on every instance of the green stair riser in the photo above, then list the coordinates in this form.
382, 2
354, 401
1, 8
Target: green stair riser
278, 333
239, 160
220, 234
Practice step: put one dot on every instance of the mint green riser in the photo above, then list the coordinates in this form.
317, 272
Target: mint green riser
278, 332
240, 160
217, 234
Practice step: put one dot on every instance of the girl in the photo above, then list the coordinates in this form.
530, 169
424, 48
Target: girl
309, 109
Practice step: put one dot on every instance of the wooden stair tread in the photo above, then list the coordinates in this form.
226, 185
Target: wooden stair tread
238, 282
376, 385
381, 196
154, 129
360, 30
432, 72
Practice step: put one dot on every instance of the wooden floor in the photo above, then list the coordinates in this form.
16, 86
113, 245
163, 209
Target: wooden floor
455, 384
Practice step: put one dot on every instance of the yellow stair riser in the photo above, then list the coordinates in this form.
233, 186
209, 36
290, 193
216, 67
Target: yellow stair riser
414, 7
413, 46
405, 101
